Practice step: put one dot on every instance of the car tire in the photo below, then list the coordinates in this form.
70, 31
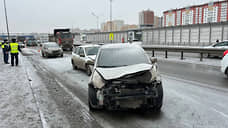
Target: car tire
159, 99
73, 65
92, 98
61, 55
88, 70
227, 72
45, 55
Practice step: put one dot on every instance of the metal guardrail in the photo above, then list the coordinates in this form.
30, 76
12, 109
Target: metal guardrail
184, 49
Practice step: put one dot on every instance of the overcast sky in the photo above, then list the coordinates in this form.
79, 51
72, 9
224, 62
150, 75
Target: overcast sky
43, 15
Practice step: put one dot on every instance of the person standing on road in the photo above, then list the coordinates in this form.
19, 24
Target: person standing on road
14, 50
5, 48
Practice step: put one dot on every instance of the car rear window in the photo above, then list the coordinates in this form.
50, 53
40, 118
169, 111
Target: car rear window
52, 45
91, 50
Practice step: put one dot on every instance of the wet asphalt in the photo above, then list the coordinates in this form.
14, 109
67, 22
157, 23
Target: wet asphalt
195, 96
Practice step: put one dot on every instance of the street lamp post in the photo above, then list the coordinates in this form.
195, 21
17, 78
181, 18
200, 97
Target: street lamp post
7, 25
111, 15
97, 17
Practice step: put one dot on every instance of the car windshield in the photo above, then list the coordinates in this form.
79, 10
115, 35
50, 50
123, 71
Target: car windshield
51, 45
65, 36
118, 57
91, 50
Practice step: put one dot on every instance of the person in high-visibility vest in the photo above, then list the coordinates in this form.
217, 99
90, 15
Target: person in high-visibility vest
5, 49
14, 51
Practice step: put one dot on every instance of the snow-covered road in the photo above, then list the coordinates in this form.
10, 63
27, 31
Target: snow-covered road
195, 97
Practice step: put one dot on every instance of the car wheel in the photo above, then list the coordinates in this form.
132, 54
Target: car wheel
227, 72
74, 66
159, 99
88, 70
61, 55
92, 98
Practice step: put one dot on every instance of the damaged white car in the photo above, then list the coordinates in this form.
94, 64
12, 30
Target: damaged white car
124, 77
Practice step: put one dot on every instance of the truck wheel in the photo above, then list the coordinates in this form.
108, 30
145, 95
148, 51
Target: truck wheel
74, 66
159, 99
92, 98
88, 70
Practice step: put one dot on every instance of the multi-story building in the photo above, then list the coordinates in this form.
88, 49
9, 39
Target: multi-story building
197, 14
157, 21
116, 25
129, 27
146, 18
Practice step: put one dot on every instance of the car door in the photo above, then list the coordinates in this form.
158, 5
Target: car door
75, 55
81, 58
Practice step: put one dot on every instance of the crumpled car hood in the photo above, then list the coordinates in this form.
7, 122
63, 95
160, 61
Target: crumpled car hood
115, 73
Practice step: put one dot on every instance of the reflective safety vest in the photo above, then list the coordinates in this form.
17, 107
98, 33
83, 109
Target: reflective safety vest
14, 48
3, 45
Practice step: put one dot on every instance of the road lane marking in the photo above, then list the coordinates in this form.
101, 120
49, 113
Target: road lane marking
86, 113
44, 122
72, 95
221, 113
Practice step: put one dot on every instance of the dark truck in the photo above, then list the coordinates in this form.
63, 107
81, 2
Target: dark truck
64, 38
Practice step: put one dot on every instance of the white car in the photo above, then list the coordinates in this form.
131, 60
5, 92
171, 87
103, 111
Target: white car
83, 57
223, 44
124, 78
224, 63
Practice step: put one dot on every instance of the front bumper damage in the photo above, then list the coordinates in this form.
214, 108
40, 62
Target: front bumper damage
121, 96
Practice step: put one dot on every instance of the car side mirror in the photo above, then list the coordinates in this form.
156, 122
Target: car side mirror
153, 60
82, 55
90, 62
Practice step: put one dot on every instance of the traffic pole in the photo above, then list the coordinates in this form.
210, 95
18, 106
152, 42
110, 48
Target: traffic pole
7, 25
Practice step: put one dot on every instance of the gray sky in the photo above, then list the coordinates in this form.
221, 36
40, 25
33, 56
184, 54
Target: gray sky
44, 15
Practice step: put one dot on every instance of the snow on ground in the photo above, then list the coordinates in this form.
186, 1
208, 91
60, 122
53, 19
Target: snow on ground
206, 61
18, 108
191, 58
